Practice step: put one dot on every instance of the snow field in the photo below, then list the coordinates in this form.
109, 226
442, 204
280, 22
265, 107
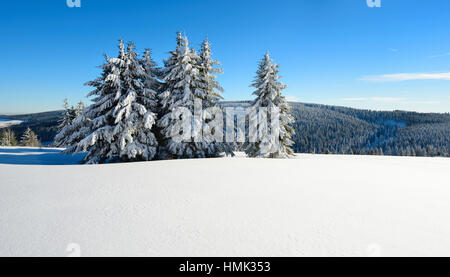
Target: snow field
313, 205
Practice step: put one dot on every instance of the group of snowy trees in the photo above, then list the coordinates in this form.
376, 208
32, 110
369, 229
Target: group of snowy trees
7, 138
140, 111
188, 86
29, 138
69, 115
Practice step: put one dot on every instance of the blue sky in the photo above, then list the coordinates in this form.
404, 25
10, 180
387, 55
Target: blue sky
338, 52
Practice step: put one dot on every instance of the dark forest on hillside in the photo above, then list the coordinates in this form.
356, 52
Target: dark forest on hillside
323, 129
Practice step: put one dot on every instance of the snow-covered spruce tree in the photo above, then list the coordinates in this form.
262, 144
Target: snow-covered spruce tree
66, 118
118, 125
152, 82
213, 90
72, 134
69, 114
152, 72
183, 90
208, 79
273, 133
29, 138
79, 109
8, 138
4, 138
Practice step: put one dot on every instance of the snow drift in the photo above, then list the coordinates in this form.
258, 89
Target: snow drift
313, 205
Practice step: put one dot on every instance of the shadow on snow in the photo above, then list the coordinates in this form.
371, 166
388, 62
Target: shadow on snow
37, 156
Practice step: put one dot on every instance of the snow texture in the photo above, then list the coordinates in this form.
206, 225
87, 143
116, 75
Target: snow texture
312, 205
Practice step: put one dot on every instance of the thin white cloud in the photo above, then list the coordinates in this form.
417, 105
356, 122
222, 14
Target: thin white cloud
406, 77
387, 99
292, 98
375, 99
428, 102
393, 49
441, 55
354, 99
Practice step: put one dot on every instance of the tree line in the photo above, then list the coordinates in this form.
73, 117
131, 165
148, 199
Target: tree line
29, 138
326, 129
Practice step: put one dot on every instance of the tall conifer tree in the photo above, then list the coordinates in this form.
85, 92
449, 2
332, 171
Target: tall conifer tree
273, 133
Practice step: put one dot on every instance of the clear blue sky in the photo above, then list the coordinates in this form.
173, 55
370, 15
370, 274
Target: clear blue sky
337, 52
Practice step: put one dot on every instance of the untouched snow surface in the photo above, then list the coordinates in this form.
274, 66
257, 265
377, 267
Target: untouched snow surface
313, 205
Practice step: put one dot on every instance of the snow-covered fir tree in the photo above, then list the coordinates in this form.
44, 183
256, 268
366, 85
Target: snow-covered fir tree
118, 125
152, 72
270, 131
72, 134
208, 82
79, 109
69, 115
152, 82
29, 138
184, 90
208, 70
7, 138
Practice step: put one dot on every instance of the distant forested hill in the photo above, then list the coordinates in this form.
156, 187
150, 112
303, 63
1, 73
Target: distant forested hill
331, 129
43, 124
328, 129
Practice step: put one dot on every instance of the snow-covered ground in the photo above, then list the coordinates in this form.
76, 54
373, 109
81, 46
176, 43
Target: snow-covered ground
5, 123
313, 205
